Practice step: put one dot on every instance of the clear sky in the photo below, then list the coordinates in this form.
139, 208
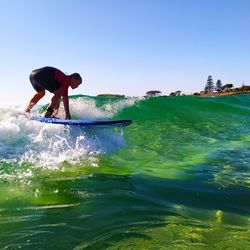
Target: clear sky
124, 46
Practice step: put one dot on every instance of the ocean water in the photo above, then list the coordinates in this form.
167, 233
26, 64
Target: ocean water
177, 178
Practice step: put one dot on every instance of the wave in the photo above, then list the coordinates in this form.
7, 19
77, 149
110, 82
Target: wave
23, 141
162, 126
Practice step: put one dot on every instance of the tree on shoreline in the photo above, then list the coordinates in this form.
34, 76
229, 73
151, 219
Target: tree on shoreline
153, 93
210, 85
218, 86
176, 93
227, 87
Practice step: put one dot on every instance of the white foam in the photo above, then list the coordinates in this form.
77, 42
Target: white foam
85, 108
48, 145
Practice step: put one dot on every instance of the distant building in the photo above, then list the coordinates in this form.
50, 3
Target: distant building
153, 93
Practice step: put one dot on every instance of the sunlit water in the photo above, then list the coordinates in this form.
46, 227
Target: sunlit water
177, 178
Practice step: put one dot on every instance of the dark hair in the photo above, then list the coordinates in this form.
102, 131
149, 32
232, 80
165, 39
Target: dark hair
76, 76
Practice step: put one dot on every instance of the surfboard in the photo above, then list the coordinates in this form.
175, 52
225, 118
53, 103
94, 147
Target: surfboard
117, 123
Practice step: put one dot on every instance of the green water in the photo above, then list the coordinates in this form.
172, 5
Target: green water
177, 178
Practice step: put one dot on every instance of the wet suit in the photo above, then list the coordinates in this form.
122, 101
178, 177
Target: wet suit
51, 79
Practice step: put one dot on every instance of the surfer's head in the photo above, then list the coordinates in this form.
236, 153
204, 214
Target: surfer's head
75, 80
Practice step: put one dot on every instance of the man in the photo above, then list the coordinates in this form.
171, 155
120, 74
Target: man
55, 81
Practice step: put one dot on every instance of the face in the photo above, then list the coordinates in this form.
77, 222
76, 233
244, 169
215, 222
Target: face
74, 83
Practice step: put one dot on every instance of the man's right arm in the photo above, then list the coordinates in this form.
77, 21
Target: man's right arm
66, 107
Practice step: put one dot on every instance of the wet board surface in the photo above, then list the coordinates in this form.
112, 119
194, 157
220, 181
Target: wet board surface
117, 123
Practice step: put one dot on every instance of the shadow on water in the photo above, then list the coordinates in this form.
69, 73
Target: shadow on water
100, 211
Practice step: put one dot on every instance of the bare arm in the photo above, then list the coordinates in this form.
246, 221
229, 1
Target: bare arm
55, 100
66, 107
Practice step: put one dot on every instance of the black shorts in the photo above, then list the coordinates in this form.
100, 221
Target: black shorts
35, 84
44, 79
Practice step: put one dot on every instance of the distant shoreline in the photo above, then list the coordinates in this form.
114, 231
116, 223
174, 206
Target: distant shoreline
202, 94
228, 93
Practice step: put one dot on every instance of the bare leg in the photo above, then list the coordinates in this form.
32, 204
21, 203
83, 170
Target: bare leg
34, 100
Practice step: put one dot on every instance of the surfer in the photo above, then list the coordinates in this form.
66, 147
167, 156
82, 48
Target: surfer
56, 82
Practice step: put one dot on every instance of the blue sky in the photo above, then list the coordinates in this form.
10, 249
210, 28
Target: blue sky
124, 46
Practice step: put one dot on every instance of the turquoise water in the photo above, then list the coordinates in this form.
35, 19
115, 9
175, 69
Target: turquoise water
177, 178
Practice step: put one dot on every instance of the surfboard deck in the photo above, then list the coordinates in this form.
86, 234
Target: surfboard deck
117, 123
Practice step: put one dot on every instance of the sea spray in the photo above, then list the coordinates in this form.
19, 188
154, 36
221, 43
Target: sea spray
25, 141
